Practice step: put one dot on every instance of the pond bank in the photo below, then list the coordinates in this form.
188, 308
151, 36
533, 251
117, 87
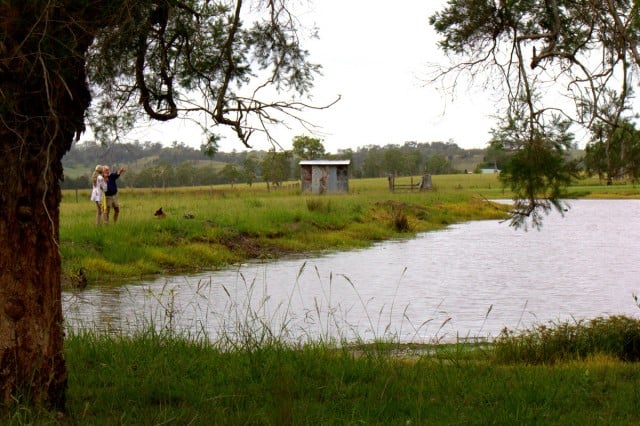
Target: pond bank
223, 230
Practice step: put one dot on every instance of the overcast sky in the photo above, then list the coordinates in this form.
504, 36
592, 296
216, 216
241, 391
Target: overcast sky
376, 55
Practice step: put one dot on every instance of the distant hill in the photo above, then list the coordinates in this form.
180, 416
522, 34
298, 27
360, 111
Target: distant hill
179, 163
82, 158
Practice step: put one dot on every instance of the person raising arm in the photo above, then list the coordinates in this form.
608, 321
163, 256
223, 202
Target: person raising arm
112, 193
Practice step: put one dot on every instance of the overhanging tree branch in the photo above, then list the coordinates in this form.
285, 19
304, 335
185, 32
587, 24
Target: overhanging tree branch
565, 40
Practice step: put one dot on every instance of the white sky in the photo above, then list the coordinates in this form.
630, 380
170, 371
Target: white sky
376, 55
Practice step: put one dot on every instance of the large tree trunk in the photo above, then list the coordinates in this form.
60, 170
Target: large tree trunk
43, 97
31, 333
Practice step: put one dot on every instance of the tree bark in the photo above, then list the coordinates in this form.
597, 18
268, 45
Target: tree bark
43, 98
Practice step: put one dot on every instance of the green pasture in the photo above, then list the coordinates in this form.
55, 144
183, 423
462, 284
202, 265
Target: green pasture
213, 227
216, 226
537, 378
577, 373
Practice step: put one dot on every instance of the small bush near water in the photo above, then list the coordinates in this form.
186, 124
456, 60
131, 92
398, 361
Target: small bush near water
400, 220
615, 336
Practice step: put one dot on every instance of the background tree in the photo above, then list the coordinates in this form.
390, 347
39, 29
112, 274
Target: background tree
394, 161
586, 50
308, 148
616, 155
143, 178
163, 174
437, 164
413, 159
249, 169
185, 174
230, 174
276, 167
372, 164
495, 155
162, 59
206, 175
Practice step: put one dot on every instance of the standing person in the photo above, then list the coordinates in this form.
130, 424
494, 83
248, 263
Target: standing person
98, 186
112, 193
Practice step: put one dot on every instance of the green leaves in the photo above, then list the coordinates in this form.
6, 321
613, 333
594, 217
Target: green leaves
538, 174
614, 152
467, 25
168, 59
548, 59
537, 168
308, 148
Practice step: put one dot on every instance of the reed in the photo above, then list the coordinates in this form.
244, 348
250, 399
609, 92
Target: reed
158, 377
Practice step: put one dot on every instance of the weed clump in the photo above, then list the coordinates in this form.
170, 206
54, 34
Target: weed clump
318, 205
617, 336
400, 219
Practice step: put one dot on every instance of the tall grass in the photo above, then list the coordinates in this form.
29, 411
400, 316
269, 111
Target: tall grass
216, 226
253, 372
160, 377
614, 336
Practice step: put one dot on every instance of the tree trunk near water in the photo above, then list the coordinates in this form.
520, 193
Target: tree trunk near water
31, 331
43, 98
149, 52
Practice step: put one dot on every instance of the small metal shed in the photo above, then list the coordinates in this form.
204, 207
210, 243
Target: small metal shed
324, 176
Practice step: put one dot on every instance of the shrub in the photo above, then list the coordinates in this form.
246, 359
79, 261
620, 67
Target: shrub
617, 336
318, 205
400, 219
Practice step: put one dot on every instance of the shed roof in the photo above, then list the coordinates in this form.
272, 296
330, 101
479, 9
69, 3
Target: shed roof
325, 162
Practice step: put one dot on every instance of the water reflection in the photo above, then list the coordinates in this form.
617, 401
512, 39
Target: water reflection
470, 280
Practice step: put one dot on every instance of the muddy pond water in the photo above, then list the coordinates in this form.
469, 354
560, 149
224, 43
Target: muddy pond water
466, 282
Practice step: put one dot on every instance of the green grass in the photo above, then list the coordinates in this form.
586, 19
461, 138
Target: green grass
161, 378
234, 224
613, 336
568, 373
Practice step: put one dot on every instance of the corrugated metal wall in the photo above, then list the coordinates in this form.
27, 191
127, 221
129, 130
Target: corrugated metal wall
323, 179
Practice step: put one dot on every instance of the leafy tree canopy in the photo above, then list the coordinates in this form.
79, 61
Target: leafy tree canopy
208, 60
550, 61
617, 156
276, 167
308, 148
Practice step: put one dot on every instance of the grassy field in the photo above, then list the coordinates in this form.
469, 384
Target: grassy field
554, 374
213, 227
537, 378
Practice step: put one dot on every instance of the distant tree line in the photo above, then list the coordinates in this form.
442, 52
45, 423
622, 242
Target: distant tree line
410, 158
181, 165
612, 152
